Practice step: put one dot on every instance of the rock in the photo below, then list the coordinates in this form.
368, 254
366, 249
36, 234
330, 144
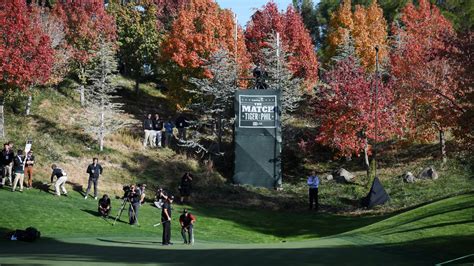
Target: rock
409, 177
329, 177
428, 173
342, 175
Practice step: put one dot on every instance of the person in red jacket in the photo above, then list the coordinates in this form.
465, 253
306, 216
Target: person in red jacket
187, 221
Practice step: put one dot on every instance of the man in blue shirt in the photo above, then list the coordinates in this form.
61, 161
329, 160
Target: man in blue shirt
313, 184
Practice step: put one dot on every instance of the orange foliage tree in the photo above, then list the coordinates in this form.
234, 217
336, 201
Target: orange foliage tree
200, 29
367, 27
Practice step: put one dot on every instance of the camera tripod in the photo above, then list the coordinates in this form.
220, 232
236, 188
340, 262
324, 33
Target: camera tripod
122, 207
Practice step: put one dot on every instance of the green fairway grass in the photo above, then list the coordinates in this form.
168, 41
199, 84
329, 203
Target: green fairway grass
73, 234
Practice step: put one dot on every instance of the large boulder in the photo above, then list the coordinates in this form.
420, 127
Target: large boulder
409, 177
342, 175
428, 173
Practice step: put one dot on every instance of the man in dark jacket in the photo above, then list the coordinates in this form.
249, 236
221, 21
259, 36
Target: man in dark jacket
158, 127
181, 124
94, 170
166, 220
7, 160
19, 169
185, 186
104, 206
148, 127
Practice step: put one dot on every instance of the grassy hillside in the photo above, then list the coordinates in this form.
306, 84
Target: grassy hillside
54, 127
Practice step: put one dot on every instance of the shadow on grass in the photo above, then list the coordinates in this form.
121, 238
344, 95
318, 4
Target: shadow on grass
421, 252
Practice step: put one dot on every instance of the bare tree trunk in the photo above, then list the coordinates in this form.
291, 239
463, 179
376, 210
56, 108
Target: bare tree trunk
28, 104
82, 95
137, 85
366, 157
442, 144
101, 133
82, 88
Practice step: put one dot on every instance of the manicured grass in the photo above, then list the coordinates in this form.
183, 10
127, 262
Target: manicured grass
71, 233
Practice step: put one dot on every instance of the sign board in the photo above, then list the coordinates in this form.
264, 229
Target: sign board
257, 138
257, 111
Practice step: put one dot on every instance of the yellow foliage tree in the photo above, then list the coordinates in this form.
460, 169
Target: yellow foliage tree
340, 26
367, 27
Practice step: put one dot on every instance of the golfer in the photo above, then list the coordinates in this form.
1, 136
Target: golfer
166, 221
187, 222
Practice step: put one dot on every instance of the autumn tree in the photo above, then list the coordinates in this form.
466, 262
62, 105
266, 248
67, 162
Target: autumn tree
346, 106
369, 31
340, 27
138, 37
200, 29
85, 22
425, 91
296, 40
302, 60
26, 55
366, 26
460, 55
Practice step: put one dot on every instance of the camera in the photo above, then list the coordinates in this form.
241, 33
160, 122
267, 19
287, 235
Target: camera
127, 191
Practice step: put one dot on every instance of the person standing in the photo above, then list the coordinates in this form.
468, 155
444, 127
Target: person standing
94, 170
142, 196
186, 220
157, 127
61, 180
30, 161
168, 132
19, 169
166, 221
185, 187
7, 159
313, 184
148, 127
181, 124
134, 198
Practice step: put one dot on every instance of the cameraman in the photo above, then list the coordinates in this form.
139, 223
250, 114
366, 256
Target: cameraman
160, 198
134, 196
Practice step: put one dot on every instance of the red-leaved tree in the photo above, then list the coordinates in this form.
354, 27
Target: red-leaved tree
346, 107
26, 55
86, 22
296, 40
302, 59
426, 92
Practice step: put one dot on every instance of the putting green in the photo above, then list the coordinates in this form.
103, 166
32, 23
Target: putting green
72, 234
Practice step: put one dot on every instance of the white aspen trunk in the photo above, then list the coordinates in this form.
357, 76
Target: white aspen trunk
82, 95
2, 119
366, 157
101, 133
442, 145
28, 104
